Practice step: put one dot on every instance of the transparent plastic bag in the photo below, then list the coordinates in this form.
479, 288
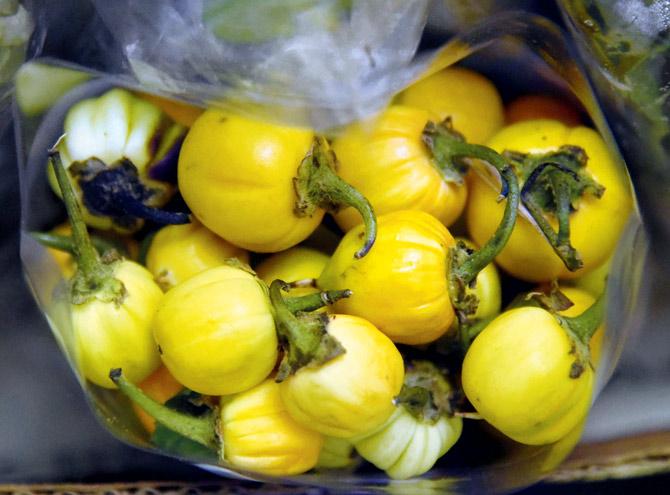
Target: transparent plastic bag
322, 63
364, 59
16, 26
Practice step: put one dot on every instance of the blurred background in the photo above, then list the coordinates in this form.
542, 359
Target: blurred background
48, 434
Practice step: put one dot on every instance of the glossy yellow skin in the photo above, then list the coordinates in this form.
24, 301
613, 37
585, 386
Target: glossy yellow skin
336, 453
470, 99
352, 393
487, 289
259, 435
216, 331
236, 175
594, 228
401, 285
595, 281
516, 374
405, 446
297, 263
387, 161
109, 335
178, 252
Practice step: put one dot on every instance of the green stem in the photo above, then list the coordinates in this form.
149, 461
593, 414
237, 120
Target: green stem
587, 323
476, 262
201, 429
88, 260
312, 302
451, 148
553, 182
67, 244
59, 242
468, 415
579, 328
94, 276
562, 207
437, 137
318, 186
561, 191
304, 336
465, 265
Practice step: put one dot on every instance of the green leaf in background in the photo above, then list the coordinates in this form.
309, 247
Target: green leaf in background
34, 95
630, 42
176, 444
634, 54
256, 21
8, 7
16, 26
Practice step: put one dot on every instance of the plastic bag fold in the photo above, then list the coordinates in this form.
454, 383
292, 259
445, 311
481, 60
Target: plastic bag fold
315, 62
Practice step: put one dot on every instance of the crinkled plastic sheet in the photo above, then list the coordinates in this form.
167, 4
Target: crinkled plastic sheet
322, 63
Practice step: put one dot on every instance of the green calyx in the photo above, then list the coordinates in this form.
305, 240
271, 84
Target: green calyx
437, 137
579, 328
303, 335
132, 181
465, 303
200, 429
450, 152
553, 184
117, 191
552, 300
426, 394
317, 185
94, 277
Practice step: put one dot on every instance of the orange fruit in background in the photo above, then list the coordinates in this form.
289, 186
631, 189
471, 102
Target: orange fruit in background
531, 107
181, 113
161, 386
64, 260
